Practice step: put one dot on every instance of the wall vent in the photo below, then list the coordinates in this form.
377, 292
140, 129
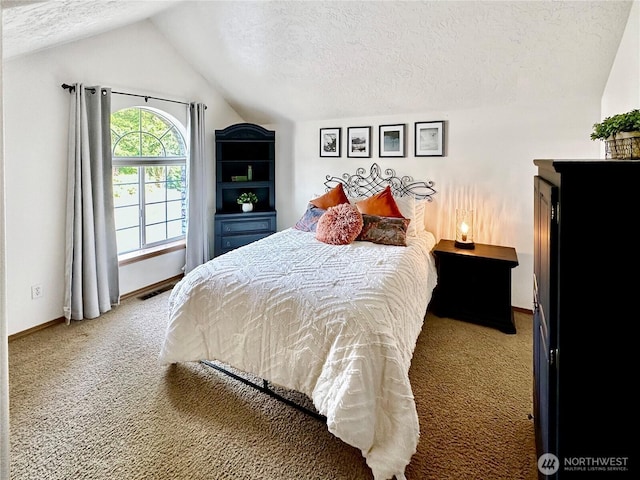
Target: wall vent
158, 291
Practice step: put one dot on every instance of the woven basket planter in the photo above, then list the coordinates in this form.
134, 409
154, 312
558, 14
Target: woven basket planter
625, 146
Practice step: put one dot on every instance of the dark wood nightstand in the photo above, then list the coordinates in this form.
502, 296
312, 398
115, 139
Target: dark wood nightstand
475, 285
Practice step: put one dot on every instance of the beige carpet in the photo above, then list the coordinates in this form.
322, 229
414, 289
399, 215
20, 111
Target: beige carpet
90, 401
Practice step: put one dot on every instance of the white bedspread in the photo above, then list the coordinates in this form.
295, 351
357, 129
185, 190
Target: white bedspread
338, 323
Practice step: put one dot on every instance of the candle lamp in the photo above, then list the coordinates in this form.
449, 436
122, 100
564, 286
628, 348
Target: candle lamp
464, 229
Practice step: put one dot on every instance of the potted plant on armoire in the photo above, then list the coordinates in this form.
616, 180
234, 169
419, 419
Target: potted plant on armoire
621, 134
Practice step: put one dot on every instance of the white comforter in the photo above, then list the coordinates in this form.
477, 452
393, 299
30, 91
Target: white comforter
338, 323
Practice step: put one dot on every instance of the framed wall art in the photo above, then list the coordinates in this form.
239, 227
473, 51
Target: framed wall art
392, 140
429, 139
330, 142
359, 142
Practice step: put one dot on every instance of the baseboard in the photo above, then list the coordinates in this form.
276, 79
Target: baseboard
37, 328
57, 321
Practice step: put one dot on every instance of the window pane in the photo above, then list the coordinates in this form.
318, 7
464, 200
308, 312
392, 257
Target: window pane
174, 210
155, 192
155, 213
128, 239
151, 146
156, 173
153, 123
124, 121
176, 172
176, 182
173, 143
174, 229
125, 175
128, 146
127, 217
156, 233
175, 190
125, 194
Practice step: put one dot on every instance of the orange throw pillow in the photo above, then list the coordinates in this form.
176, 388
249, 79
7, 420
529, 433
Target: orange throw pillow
333, 197
381, 204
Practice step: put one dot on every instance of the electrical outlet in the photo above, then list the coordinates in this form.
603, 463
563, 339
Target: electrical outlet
36, 291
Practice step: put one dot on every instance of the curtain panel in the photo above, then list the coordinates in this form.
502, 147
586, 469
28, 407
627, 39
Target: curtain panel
197, 244
91, 256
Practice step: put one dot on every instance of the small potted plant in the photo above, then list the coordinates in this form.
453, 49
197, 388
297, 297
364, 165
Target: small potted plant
247, 199
621, 133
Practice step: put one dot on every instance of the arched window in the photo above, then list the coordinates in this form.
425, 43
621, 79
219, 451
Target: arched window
149, 178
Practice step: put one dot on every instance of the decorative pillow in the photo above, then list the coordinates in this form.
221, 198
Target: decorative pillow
407, 206
309, 220
421, 206
381, 204
384, 230
333, 197
339, 225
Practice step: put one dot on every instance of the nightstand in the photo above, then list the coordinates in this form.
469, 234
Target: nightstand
475, 285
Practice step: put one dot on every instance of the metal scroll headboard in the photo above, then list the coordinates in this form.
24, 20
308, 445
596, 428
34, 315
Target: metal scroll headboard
359, 185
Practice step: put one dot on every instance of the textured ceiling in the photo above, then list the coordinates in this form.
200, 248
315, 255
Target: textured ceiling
312, 60
32, 25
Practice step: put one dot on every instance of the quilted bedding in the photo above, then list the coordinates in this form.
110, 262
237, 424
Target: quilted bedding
337, 323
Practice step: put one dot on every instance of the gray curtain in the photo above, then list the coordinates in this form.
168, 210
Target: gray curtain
91, 263
197, 221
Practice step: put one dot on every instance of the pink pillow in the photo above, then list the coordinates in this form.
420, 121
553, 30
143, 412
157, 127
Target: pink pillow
339, 225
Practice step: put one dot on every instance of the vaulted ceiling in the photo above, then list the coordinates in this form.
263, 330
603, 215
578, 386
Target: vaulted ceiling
313, 60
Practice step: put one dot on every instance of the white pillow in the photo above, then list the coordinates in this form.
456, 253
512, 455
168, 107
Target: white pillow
420, 207
407, 206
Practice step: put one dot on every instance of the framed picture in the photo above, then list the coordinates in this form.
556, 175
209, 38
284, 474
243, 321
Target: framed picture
359, 142
392, 140
430, 139
330, 142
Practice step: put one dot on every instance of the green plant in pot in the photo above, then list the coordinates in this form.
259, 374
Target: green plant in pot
621, 133
247, 199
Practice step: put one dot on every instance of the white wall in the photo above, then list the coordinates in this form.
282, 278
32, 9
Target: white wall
622, 92
134, 59
488, 165
4, 346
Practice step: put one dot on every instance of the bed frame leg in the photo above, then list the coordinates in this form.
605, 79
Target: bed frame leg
265, 389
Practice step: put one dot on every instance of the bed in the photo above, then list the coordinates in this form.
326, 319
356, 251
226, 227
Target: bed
338, 323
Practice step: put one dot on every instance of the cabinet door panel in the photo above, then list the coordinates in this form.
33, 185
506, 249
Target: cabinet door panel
247, 226
545, 308
229, 243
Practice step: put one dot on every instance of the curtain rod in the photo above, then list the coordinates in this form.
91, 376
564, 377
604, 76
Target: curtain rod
72, 88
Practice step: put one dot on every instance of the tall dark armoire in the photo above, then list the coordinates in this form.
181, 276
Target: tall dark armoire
245, 163
586, 291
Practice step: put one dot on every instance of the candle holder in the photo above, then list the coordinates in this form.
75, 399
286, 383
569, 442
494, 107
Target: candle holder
464, 229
